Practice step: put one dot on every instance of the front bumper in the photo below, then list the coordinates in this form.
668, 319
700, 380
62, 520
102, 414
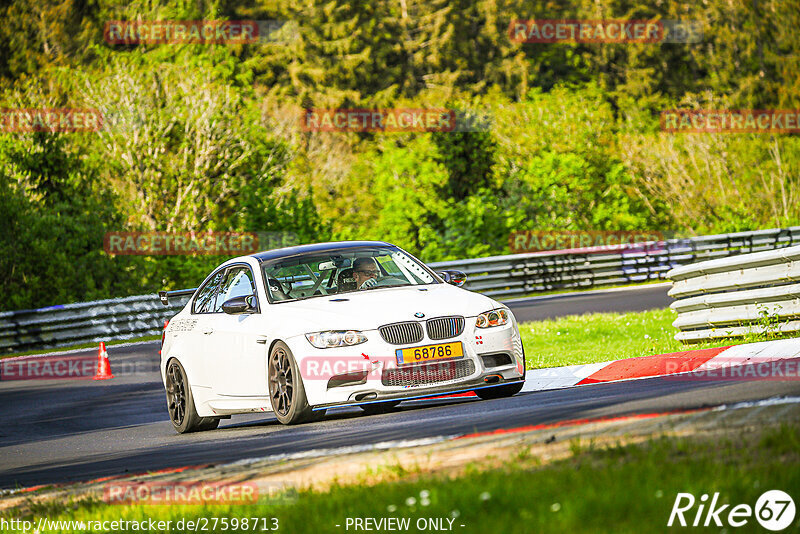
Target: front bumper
422, 393
369, 372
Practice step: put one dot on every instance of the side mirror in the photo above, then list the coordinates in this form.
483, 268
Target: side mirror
455, 278
239, 305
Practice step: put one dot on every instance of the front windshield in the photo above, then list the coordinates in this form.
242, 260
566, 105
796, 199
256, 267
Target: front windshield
340, 271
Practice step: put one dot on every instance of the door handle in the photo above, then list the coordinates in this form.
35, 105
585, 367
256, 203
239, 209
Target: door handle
208, 331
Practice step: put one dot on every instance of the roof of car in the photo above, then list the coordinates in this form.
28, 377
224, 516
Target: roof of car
315, 247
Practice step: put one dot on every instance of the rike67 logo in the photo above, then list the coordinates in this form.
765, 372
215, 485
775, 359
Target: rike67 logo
774, 510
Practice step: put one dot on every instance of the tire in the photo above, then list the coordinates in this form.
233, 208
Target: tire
498, 392
286, 392
180, 403
378, 407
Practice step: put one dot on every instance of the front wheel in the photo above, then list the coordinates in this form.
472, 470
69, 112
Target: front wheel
286, 391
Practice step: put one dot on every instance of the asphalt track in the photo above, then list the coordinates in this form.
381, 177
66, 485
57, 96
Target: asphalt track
624, 299
60, 431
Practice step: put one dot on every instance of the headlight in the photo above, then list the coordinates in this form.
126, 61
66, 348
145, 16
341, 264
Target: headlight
492, 318
336, 338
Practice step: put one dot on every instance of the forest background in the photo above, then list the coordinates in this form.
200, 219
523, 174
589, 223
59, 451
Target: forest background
205, 137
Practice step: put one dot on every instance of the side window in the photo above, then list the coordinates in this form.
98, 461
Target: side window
238, 283
204, 303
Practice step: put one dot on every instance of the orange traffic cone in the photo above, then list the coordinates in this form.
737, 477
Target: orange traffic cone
103, 365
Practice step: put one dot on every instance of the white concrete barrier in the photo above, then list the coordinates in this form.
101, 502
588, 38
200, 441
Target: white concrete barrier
737, 295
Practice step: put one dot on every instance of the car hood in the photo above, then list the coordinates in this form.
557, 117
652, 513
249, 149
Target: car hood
367, 310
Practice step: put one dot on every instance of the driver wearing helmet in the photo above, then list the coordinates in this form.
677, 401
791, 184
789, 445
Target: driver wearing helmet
366, 272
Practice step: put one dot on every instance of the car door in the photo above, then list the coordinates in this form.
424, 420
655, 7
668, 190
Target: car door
238, 345
196, 353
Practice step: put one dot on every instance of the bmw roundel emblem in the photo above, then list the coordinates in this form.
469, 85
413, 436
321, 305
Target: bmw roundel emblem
419, 315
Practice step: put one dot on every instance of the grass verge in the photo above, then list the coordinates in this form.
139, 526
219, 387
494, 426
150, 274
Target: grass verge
616, 489
601, 337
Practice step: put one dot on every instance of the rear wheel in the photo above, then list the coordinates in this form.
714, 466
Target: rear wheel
180, 403
286, 391
378, 407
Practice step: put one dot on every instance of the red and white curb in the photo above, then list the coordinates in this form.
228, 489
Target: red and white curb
690, 361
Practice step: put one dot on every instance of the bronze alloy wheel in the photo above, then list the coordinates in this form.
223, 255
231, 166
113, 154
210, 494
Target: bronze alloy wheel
286, 391
281, 381
176, 394
180, 403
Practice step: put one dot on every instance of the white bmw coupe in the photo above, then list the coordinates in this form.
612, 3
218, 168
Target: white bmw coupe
297, 330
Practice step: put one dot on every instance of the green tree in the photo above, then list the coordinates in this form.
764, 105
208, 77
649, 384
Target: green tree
562, 169
55, 213
182, 139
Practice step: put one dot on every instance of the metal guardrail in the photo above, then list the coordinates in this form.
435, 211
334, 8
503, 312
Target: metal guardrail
72, 324
522, 274
496, 276
736, 296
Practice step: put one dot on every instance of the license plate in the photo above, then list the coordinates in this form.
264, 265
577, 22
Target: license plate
443, 351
